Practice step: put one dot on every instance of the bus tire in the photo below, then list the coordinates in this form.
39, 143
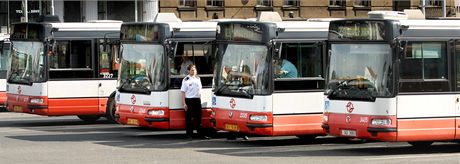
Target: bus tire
421, 144
306, 137
110, 110
89, 118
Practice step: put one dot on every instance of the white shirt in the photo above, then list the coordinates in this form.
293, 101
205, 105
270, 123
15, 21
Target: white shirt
191, 86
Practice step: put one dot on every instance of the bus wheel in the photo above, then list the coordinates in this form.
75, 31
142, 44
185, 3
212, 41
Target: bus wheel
422, 144
89, 118
110, 111
306, 137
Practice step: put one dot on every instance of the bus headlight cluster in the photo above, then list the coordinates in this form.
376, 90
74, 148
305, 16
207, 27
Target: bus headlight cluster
381, 121
325, 118
37, 100
258, 118
213, 113
156, 112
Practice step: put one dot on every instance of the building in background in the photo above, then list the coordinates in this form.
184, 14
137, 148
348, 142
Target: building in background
125, 10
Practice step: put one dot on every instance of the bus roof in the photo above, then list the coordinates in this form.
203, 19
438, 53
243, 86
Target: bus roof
88, 26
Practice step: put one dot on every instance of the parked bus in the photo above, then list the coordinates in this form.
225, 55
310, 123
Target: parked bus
153, 65
4, 53
62, 69
269, 78
394, 80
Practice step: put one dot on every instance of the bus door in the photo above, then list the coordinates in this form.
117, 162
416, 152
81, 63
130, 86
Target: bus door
457, 84
186, 53
298, 87
72, 86
426, 115
107, 71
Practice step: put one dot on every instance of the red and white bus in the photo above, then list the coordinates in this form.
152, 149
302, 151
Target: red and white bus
254, 94
5, 46
62, 69
153, 65
394, 80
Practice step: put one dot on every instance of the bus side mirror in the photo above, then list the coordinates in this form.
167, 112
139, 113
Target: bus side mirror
277, 50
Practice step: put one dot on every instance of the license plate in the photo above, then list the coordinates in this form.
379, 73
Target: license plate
17, 108
133, 121
231, 127
351, 133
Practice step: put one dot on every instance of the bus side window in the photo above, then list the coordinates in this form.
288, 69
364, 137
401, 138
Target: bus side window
192, 53
457, 63
300, 67
71, 59
108, 66
424, 68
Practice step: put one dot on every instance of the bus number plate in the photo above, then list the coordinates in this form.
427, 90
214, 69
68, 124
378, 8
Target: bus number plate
231, 127
17, 108
351, 133
132, 121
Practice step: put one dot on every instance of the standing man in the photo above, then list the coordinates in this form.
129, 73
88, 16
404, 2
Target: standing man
191, 87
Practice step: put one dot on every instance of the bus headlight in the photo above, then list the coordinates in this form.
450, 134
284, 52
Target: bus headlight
156, 112
325, 118
37, 100
213, 113
381, 121
258, 118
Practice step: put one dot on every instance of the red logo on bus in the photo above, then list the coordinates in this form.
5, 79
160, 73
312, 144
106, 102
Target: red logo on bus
350, 107
19, 90
133, 99
232, 103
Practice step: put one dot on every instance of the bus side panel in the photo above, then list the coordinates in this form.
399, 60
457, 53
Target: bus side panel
73, 97
298, 113
2, 92
305, 124
73, 106
426, 117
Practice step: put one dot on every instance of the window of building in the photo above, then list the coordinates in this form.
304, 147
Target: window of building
192, 53
71, 59
362, 3
217, 3
264, 2
337, 3
399, 5
187, 3
424, 67
433, 3
300, 67
291, 3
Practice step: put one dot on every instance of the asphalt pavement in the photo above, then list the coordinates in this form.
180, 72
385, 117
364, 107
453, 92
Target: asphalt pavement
34, 139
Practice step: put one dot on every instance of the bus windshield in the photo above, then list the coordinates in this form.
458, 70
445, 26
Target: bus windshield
142, 68
26, 62
243, 70
360, 71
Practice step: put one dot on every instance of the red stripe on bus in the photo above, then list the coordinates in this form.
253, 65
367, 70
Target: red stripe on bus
304, 124
2, 98
238, 120
431, 129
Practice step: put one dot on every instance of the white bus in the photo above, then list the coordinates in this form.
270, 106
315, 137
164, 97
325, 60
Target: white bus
394, 80
153, 65
269, 78
63, 68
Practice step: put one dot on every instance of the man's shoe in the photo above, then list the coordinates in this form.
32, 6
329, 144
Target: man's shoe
245, 138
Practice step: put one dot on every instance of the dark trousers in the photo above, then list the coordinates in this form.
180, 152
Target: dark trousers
193, 112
